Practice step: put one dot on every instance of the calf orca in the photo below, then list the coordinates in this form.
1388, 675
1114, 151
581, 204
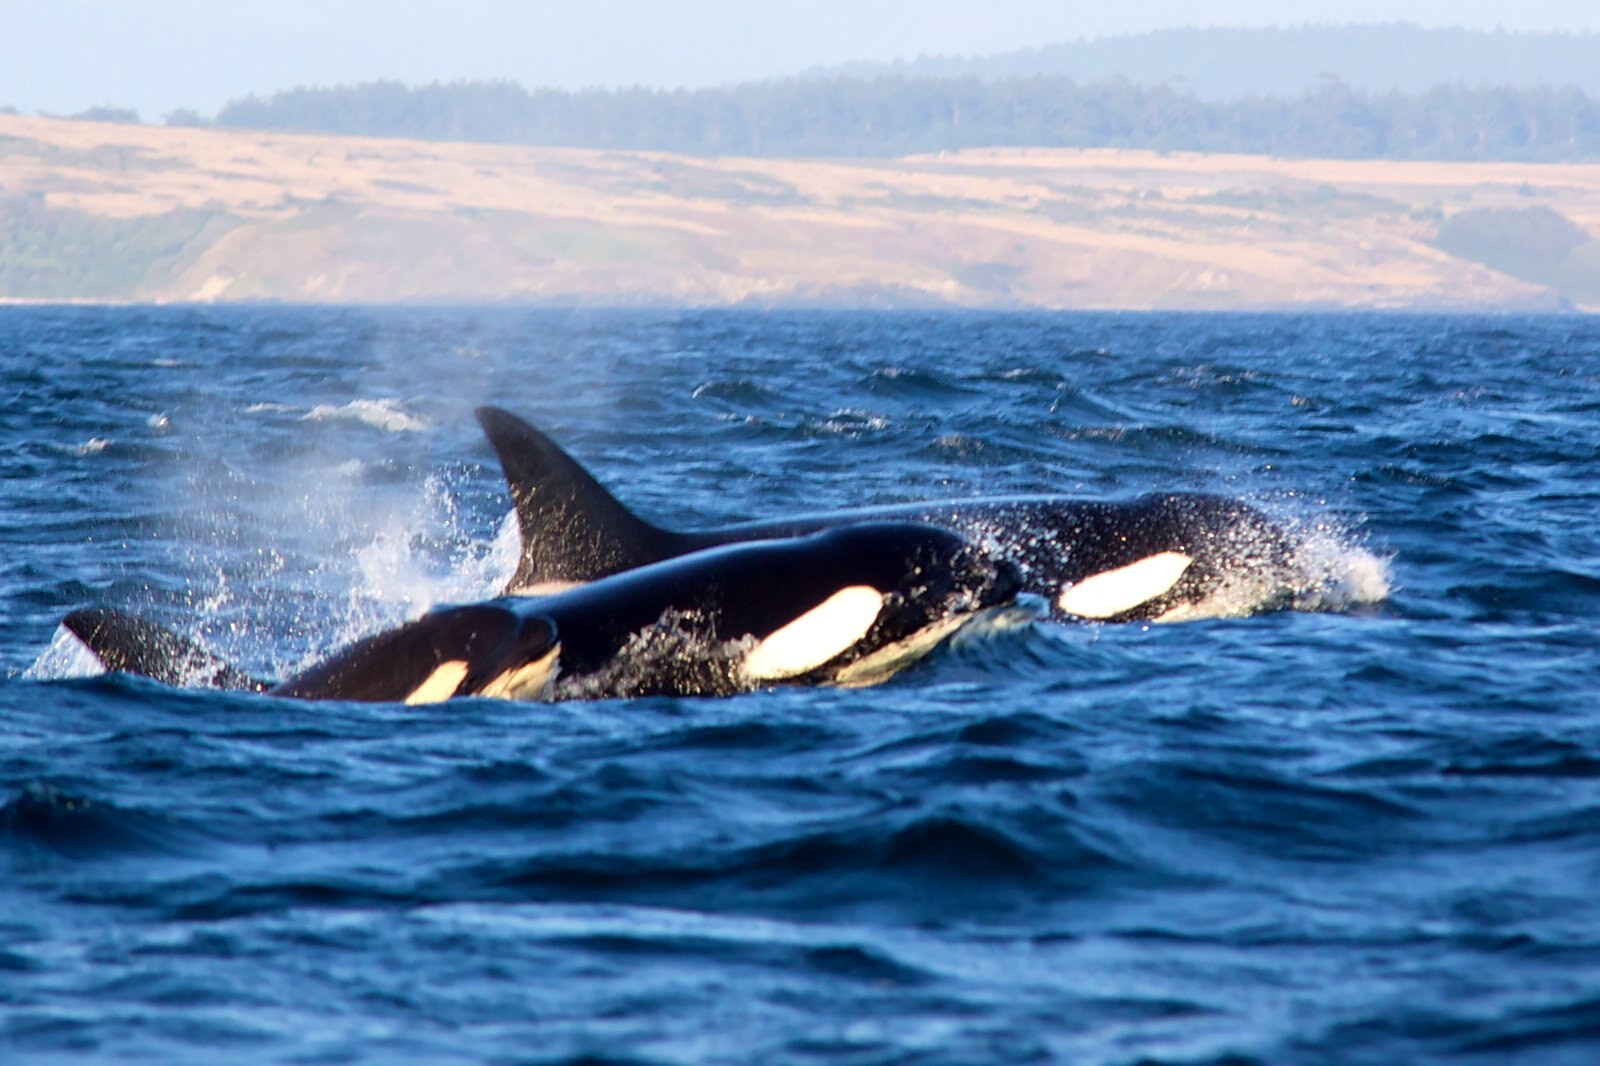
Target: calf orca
1164, 557
846, 606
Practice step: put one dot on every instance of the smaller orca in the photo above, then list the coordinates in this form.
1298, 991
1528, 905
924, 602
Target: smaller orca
409, 663
1161, 557
848, 606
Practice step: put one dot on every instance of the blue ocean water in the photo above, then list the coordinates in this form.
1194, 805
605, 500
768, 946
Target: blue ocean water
1364, 834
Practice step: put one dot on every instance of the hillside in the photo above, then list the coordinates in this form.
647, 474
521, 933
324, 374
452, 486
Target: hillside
94, 211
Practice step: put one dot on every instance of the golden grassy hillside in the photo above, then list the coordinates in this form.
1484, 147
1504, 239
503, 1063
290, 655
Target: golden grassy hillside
124, 212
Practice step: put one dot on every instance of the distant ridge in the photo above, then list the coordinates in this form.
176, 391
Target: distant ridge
896, 116
1393, 91
1224, 63
1390, 91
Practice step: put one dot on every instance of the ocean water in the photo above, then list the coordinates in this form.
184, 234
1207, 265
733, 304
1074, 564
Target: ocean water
1368, 833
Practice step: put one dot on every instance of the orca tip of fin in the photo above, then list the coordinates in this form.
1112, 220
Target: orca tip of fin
498, 422
86, 621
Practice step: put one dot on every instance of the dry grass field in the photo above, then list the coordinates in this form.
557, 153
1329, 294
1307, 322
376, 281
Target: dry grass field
95, 211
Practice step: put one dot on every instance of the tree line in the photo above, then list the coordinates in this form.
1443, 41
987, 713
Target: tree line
896, 116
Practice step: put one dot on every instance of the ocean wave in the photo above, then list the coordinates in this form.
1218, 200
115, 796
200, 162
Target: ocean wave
43, 817
979, 862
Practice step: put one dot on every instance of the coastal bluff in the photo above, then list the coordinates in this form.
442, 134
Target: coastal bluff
110, 212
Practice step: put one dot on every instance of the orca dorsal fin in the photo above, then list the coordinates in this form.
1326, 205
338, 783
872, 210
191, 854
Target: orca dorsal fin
128, 644
573, 530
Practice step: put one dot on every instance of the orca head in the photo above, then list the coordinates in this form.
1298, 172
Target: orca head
936, 571
902, 588
485, 649
1172, 557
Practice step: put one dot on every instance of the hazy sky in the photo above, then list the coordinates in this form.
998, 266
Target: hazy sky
62, 56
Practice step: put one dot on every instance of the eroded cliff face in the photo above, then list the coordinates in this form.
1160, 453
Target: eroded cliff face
96, 211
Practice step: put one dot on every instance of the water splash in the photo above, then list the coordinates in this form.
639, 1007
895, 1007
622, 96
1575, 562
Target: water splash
66, 656
1337, 575
1326, 569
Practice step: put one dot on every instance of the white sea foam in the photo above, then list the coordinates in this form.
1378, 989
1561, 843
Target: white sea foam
381, 414
1338, 575
849, 422
1326, 570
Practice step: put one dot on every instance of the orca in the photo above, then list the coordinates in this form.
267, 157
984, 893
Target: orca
1162, 557
847, 606
477, 644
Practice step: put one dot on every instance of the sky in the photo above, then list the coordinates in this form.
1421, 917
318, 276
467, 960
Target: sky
62, 56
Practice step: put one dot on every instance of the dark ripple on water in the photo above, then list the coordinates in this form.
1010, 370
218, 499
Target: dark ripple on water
1367, 836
